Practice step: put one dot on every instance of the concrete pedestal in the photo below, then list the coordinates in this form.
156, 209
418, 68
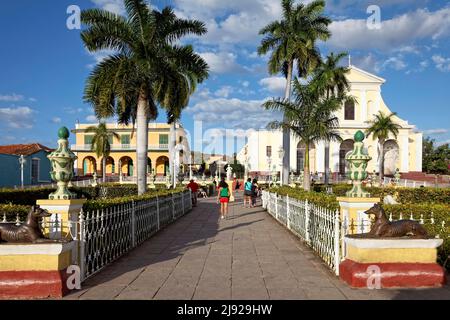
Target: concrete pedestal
352, 210
392, 263
32, 271
66, 210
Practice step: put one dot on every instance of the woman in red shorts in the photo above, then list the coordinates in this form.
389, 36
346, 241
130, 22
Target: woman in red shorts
223, 196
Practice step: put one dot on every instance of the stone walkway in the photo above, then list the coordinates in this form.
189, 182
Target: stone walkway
247, 256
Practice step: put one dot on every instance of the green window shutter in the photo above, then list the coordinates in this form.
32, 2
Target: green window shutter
110, 140
163, 139
88, 139
125, 139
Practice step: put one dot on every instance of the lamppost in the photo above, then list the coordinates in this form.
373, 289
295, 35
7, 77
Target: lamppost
22, 162
281, 156
269, 162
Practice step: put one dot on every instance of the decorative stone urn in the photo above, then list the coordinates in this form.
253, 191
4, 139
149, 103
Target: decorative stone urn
358, 160
62, 160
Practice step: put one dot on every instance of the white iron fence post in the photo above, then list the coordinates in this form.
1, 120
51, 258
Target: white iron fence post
336, 242
182, 203
276, 206
288, 213
133, 223
157, 214
81, 246
307, 221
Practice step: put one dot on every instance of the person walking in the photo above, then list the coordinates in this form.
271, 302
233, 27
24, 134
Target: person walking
223, 197
248, 193
255, 190
194, 191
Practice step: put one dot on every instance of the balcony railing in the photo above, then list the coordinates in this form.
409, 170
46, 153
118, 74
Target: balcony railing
121, 147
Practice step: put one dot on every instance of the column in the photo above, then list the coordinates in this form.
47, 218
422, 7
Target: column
363, 105
320, 156
404, 149
334, 156
418, 152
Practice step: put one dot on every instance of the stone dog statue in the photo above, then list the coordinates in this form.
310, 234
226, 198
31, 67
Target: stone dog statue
28, 232
396, 229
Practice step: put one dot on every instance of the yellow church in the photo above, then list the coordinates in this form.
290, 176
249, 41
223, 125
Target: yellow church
122, 159
404, 153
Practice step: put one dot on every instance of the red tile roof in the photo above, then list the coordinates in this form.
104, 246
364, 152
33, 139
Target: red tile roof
25, 149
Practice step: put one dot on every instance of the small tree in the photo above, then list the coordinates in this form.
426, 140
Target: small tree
100, 143
310, 116
380, 128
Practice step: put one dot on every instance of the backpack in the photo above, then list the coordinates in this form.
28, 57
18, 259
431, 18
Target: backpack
224, 193
248, 186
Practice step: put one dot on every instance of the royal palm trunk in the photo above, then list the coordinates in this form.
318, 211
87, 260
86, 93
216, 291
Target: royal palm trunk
286, 132
172, 155
104, 168
142, 142
381, 159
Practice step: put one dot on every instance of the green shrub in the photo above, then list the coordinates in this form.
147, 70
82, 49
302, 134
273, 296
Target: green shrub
404, 195
10, 211
25, 197
318, 198
91, 205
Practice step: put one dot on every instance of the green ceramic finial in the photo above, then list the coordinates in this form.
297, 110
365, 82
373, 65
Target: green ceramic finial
359, 136
63, 133
358, 160
62, 160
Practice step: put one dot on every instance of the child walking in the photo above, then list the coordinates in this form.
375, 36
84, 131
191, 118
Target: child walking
223, 197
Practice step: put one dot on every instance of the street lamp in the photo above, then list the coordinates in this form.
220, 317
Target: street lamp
22, 162
281, 156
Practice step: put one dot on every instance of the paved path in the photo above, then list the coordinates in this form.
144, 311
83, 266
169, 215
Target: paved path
247, 256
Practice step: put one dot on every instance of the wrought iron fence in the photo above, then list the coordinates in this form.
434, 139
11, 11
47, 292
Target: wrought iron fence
324, 230
105, 235
318, 227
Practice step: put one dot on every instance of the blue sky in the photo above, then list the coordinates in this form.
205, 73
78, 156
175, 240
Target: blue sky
43, 65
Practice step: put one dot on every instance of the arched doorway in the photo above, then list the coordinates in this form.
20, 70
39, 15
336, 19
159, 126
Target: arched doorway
126, 166
301, 156
110, 166
344, 149
89, 166
391, 155
162, 166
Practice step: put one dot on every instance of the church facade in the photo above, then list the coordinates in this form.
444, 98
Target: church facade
404, 152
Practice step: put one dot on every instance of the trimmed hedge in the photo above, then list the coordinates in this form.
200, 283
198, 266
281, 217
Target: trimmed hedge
318, 198
405, 195
11, 211
91, 205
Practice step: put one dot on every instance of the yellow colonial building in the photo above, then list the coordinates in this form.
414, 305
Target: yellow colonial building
404, 153
122, 159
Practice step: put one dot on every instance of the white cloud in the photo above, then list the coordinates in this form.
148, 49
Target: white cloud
232, 113
222, 62
56, 120
440, 143
396, 63
17, 117
11, 97
224, 92
275, 85
92, 119
71, 110
400, 31
115, 6
441, 63
435, 131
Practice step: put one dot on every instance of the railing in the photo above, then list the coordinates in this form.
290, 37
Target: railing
323, 229
318, 227
105, 235
78, 183
412, 183
119, 147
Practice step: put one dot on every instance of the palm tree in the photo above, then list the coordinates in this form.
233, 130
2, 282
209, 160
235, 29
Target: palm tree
148, 67
291, 39
380, 128
310, 116
100, 143
331, 80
